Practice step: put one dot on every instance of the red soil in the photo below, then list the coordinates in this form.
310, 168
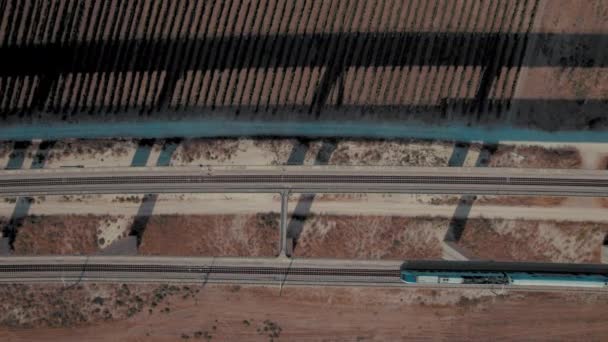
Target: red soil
253, 313
371, 237
520, 240
59, 235
212, 235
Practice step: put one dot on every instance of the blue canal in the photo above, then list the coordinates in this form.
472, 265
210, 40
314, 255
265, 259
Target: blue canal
210, 128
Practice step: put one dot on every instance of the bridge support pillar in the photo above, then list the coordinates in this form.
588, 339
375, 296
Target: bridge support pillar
283, 250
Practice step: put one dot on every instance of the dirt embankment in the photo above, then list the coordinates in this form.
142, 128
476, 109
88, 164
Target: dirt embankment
391, 152
521, 201
251, 151
256, 313
536, 157
521, 240
370, 237
97, 148
170, 235
386, 237
61, 235
513, 201
219, 150
212, 235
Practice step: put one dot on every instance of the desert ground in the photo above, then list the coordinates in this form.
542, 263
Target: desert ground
520, 240
370, 237
386, 237
128, 205
256, 313
315, 235
61, 235
212, 235
245, 151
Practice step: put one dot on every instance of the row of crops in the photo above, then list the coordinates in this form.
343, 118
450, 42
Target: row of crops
94, 56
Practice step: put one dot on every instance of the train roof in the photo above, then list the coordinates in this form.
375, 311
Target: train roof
497, 266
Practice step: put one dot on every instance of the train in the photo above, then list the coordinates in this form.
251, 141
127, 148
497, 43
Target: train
505, 273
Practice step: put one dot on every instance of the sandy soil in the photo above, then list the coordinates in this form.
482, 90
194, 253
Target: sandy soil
212, 235
371, 237
248, 313
122, 208
91, 153
391, 152
194, 152
593, 155
519, 240
113, 228
507, 201
233, 152
536, 157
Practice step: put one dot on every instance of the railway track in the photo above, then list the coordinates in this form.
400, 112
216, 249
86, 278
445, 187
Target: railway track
255, 275
344, 179
31, 268
303, 179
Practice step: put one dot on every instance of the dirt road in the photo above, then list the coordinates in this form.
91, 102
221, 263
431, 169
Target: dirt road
348, 204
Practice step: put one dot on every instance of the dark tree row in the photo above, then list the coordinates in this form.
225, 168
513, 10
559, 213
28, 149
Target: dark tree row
262, 55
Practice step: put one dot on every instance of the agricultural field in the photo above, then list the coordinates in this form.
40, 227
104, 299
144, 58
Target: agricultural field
466, 62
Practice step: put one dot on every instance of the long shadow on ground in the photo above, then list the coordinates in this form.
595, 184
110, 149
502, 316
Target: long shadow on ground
302, 208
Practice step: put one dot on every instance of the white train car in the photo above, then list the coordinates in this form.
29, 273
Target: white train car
559, 280
505, 273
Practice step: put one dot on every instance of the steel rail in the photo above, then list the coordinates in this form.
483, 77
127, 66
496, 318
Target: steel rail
29, 268
252, 275
222, 270
305, 179
541, 182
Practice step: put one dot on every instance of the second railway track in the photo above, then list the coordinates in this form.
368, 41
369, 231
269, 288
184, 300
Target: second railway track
190, 269
255, 275
306, 179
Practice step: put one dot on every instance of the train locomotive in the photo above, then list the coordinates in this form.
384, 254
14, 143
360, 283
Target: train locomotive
505, 273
